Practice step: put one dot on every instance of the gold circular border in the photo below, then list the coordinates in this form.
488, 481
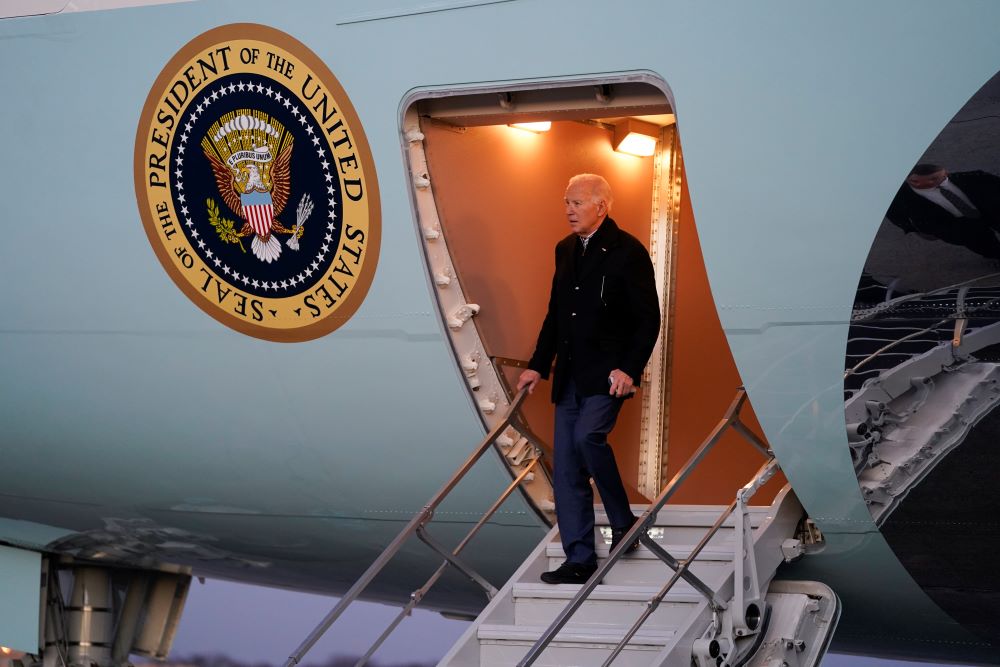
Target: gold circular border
266, 34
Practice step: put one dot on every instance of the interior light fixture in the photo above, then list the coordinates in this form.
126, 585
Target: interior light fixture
540, 126
635, 137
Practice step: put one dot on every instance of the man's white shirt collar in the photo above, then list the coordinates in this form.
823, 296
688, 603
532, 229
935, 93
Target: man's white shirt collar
586, 238
934, 195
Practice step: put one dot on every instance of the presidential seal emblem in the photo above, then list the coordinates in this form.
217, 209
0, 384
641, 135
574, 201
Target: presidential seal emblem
256, 186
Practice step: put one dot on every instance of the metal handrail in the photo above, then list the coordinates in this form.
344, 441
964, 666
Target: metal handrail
509, 392
644, 523
885, 348
868, 313
961, 313
415, 526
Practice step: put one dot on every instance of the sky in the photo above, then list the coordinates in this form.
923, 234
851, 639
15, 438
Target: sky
254, 624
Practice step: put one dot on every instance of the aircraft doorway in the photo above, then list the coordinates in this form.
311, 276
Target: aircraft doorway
489, 199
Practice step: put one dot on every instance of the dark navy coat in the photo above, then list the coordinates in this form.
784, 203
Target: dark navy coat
603, 314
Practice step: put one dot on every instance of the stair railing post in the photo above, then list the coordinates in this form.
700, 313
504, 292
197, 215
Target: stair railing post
748, 612
456, 562
748, 599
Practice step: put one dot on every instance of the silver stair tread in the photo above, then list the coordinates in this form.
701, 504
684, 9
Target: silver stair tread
604, 592
687, 515
709, 553
587, 634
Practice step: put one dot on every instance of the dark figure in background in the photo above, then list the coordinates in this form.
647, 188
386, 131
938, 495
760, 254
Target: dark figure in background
961, 208
602, 323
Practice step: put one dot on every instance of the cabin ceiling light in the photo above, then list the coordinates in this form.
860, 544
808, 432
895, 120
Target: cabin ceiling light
540, 126
635, 137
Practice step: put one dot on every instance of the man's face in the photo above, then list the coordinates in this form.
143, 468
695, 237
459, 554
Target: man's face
927, 182
583, 213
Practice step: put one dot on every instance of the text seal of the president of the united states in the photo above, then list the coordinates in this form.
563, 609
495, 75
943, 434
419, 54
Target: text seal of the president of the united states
256, 185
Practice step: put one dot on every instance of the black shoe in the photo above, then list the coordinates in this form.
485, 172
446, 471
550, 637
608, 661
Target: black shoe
569, 573
618, 534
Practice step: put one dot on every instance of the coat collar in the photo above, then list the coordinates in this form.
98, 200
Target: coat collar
606, 237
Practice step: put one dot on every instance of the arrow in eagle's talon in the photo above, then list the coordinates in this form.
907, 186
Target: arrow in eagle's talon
301, 214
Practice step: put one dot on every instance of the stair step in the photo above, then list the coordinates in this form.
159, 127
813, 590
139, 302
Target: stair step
574, 633
682, 592
574, 645
688, 515
678, 551
651, 571
539, 604
683, 535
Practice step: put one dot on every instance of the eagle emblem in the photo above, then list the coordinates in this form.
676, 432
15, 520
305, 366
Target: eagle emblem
230, 157
250, 153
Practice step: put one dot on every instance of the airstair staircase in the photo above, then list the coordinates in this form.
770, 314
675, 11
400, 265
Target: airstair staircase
699, 592
800, 616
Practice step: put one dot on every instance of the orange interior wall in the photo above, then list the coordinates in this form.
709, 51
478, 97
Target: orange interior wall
499, 192
703, 383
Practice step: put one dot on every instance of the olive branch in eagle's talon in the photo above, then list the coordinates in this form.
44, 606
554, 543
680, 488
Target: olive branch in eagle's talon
223, 226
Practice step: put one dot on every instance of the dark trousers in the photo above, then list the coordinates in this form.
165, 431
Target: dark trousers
582, 452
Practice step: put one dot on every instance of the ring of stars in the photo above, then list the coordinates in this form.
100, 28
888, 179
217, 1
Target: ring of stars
331, 219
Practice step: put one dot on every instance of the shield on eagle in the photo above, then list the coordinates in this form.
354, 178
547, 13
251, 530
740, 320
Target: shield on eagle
258, 209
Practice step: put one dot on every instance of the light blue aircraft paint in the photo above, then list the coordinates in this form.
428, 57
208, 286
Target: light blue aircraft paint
128, 416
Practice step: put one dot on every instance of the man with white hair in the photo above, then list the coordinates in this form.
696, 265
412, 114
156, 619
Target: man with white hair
602, 322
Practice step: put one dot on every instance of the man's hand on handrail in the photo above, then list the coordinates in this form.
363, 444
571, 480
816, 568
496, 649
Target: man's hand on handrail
529, 379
